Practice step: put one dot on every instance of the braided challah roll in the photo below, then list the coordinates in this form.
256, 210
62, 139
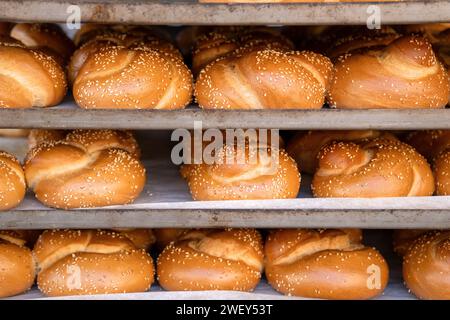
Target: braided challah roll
80, 262
327, 264
29, 77
404, 74
12, 182
17, 266
230, 259
305, 146
265, 79
435, 146
377, 168
426, 266
244, 174
88, 168
130, 71
44, 35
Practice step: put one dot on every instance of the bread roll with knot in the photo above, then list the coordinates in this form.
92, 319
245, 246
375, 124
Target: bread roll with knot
17, 266
141, 76
244, 174
85, 262
326, 264
214, 45
89, 168
12, 182
435, 146
305, 146
404, 74
426, 266
230, 259
378, 168
29, 77
44, 35
265, 79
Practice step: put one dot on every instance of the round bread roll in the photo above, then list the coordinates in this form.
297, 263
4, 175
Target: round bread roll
377, 168
402, 239
17, 267
85, 262
326, 264
213, 45
431, 31
164, 236
244, 174
435, 146
265, 79
141, 238
141, 76
89, 168
426, 267
230, 259
28, 77
305, 146
44, 35
404, 74
12, 182
15, 133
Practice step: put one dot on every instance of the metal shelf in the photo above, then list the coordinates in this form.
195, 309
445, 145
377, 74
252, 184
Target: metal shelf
166, 202
191, 12
68, 115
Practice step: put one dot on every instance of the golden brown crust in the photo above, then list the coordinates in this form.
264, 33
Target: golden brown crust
230, 259
74, 262
164, 236
402, 239
426, 266
39, 136
14, 132
141, 238
89, 168
265, 79
328, 264
441, 168
20, 237
273, 175
378, 168
29, 78
44, 35
17, 269
12, 181
305, 146
404, 74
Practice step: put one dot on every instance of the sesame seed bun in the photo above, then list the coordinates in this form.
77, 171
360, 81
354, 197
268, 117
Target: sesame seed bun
326, 264
164, 236
402, 239
12, 181
89, 168
377, 168
404, 74
76, 262
426, 267
230, 259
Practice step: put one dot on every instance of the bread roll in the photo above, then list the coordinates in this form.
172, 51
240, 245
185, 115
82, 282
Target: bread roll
44, 35
164, 236
80, 262
17, 267
402, 239
404, 74
431, 31
12, 182
305, 146
20, 237
89, 168
244, 173
230, 259
15, 133
426, 267
326, 264
378, 168
435, 146
141, 74
214, 45
28, 77
39, 136
265, 79
141, 238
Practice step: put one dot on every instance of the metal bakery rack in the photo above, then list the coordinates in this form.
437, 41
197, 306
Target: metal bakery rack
166, 201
